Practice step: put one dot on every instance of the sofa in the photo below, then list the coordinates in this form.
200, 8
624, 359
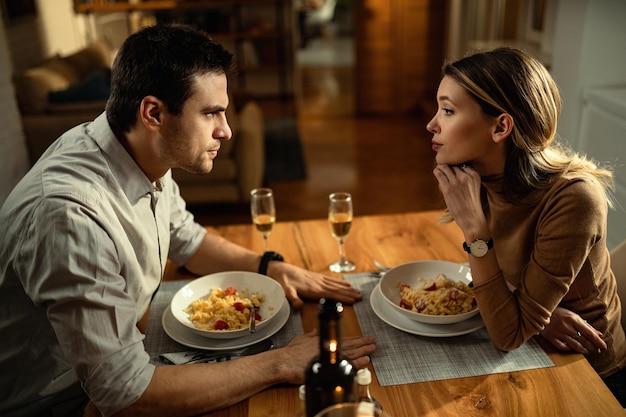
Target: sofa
64, 91
45, 99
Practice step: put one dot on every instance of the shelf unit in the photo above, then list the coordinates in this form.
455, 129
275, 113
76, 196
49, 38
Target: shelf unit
258, 32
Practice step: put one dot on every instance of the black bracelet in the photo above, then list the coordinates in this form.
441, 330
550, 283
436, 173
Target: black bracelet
266, 258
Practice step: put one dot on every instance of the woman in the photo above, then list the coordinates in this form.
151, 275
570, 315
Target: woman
533, 213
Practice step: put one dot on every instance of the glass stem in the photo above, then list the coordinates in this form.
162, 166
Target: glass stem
265, 241
342, 256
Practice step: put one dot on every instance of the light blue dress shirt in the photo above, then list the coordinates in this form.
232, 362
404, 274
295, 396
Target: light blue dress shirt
84, 241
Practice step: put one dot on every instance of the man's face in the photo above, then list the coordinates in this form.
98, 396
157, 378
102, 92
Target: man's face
192, 139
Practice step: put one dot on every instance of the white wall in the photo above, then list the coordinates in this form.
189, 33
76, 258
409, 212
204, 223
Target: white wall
589, 51
63, 32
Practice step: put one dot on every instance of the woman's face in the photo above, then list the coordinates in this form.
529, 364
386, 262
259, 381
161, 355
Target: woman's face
463, 133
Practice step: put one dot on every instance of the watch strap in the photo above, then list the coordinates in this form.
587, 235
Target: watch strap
266, 258
466, 247
489, 242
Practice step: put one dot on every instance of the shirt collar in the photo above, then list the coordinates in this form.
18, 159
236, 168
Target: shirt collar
131, 178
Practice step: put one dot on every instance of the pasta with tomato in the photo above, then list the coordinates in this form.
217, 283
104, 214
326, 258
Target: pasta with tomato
439, 296
224, 309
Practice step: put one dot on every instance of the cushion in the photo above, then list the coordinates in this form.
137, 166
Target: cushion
63, 68
97, 86
33, 85
92, 57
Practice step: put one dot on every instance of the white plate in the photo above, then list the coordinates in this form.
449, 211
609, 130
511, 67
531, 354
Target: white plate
187, 337
386, 313
410, 273
241, 280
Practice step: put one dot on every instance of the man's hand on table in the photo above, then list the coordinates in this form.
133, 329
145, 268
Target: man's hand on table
306, 347
298, 282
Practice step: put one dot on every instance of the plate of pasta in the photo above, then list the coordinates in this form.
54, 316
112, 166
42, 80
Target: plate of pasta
185, 336
435, 292
389, 315
220, 306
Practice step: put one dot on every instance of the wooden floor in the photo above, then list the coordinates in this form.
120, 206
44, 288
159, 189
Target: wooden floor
386, 163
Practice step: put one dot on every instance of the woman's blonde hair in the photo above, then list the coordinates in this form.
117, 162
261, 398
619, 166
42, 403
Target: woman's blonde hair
507, 80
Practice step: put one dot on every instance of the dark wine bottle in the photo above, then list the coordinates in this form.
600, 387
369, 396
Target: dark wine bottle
329, 378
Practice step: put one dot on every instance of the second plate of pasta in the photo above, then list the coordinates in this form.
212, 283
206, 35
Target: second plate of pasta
435, 292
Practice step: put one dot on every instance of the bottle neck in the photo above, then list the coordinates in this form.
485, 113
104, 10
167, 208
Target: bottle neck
330, 340
364, 392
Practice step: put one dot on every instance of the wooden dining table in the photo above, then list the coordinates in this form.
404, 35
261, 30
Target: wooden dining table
569, 388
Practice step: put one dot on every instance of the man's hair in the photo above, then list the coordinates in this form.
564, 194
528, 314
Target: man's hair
162, 61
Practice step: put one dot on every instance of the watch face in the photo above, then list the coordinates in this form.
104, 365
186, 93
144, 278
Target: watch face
479, 248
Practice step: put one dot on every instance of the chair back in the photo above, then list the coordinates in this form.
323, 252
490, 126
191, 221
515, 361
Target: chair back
618, 265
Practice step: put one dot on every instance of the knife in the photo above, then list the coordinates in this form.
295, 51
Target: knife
203, 356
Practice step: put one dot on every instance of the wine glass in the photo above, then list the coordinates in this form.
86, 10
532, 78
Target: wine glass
263, 211
340, 219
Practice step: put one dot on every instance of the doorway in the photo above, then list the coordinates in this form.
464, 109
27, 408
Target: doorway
325, 66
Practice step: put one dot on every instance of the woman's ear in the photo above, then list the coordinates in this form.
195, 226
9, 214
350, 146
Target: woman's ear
150, 111
502, 128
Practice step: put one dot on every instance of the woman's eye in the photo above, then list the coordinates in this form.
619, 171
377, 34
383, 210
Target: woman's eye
447, 111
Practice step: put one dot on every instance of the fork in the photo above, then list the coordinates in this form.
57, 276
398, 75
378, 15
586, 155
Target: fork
252, 318
380, 266
217, 356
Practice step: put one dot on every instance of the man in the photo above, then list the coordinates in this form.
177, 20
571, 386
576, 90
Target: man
87, 235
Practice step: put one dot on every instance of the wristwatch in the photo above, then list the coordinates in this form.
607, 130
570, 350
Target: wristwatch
478, 248
266, 258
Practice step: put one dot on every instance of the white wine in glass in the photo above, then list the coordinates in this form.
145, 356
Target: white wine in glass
263, 212
340, 220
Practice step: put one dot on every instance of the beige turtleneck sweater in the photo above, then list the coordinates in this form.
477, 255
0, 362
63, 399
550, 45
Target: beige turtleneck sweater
552, 252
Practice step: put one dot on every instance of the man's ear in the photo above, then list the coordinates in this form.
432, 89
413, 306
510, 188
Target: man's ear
150, 112
502, 128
